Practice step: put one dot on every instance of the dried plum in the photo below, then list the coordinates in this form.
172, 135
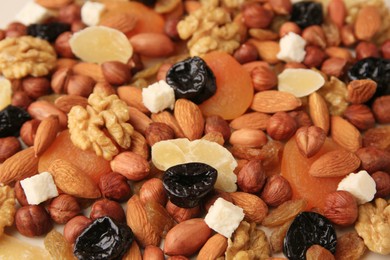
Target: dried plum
103, 239
187, 183
376, 69
192, 79
307, 13
48, 31
11, 120
307, 229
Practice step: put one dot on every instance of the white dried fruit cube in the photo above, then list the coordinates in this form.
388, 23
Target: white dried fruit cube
361, 185
39, 188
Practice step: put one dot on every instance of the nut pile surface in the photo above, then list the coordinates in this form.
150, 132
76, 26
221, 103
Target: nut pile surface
214, 129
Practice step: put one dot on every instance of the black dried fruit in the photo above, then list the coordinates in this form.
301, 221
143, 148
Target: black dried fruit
307, 13
192, 79
187, 183
11, 120
148, 2
376, 69
103, 239
307, 229
48, 31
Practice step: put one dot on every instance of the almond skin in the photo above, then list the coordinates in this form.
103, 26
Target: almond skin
345, 134
254, 208
252, 120
214, 248
335, 164
190, 118
360, 91
368, 22
319, 112
272, 101
46, 133
180, 239
131, 165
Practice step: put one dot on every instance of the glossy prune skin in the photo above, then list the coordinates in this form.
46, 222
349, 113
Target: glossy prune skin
186, 184
376, 69
307, 13
11, 120
307, 229
103, 239
192, 79
49, 31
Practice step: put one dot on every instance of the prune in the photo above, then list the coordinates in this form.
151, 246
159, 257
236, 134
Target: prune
192, 79
148, 2
307, 229
103, 239
377, 69
11, 120
307, 13
186, 184
49, 31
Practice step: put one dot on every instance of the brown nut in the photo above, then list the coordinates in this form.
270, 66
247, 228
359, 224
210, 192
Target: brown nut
62, 45
334, 67
70, 13
2, 35
8, 147
360, 116
32, 220
114, 186
28, 131
162, 71
20, 195
60, 79
251, 177
341, 208
153, 190
282, 7
247, 52
248, 137
281, 126
382, 181
157, 132
277, 190
289, 27
347, 35
216, 123
80, 85
301, 117
360, 91
36, 87
74, 227
131, 165
385, 49
374, 159
41, 109
77, 26
337, 12
153, 252
15, 29
263, 78
20, 99
365, 50
316, 252
116, 73
314, 35
310, 139
63, 208
314, 56
381, 109
153, 45
256, 16
170, 27
181, 214
214, 195
110, 208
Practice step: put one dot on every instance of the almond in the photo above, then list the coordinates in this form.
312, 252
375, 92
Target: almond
131, 165
46, 133
214, 248
169, 119
319, 112
139, 145
345, 134
336, 163
19, 166
267, 50
368, 22
187, 237
134, 252
272, 101
360, 91
248, 137
252, 120
120, 21
190, 118
337, 12
133, 97
310, 139
89, 69
139, 120
282, 7
72, 180
254, 208
66, 102
137, 220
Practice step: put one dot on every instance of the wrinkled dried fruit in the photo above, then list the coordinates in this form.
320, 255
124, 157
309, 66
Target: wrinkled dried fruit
283, 213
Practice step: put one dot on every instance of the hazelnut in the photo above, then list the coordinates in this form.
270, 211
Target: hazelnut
80, 85
281, 126
374, 159
314, 56
60, 79
135, 63
365, 50
28, 131
360, 116
385, 49
181, 214
347, 35
277, 190
251, 177
156, 132
153, 252
334, 67
16, 84
341, 208
74, 227
104, 87
382, 181
247, 52
289, 27
314, 35
63, 208
19, 194
216, 123
36, 87
256, 16
62, 45
170, 27
116, 73
21, 99
70, 13
110, 208
16, 29
310, 140
162, 71
153, 190
301, 117
381, 109
8, 147
2, 35
32, 220
114, 186
263, 78
77, 26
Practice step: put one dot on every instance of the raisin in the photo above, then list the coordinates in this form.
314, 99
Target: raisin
11, 120
187, 183
103, 239
376, 69
307, 13
307, 229
192, 79
49, 31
